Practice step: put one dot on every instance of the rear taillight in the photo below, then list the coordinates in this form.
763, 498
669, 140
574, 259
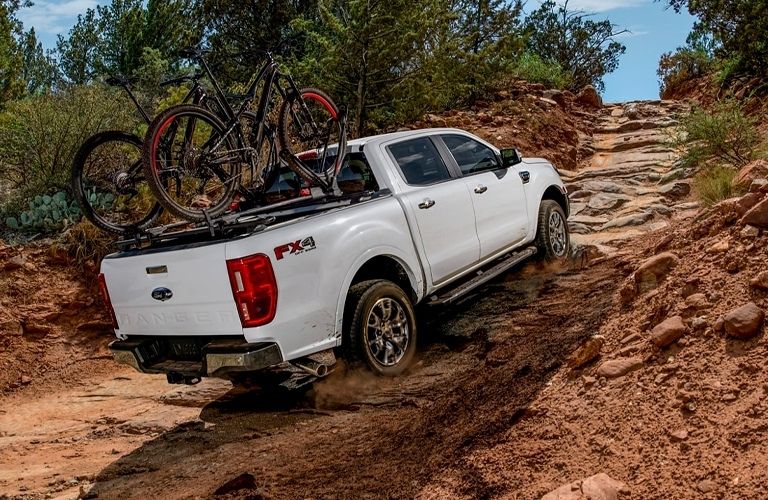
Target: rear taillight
107, 301
255, 289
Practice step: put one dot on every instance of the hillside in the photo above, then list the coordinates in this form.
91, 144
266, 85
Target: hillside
546, 377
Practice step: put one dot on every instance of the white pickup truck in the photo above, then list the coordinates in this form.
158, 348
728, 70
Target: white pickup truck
425, 217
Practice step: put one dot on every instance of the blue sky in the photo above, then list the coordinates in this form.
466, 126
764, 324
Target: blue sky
654, 30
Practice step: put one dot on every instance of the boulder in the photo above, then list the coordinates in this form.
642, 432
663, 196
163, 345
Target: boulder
607, 201
668, 331
618, 367
757, 215
655, 269
598, 487
675, 189
757, 169
629, 220
758, 186
589, 97
744, 322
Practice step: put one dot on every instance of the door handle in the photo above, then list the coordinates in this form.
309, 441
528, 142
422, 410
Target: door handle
427, 203
481, 189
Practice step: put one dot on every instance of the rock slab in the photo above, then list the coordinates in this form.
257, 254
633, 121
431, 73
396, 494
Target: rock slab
618, 367
598, 487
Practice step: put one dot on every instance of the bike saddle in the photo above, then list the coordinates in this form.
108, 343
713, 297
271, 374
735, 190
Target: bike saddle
181, 79
120, 80
193, 52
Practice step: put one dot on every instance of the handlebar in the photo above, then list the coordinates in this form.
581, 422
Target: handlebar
181, 79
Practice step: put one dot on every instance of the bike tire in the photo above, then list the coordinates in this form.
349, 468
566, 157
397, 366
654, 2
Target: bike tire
160, 187
79, 189
307, 94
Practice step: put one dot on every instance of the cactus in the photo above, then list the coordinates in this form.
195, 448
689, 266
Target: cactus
47, 213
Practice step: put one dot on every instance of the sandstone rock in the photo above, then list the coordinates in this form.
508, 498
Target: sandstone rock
617, 112
675, 189
706, 486
578, 228
758, 186
655, 269
698, 324
760, 281
757, 169
719, 247
632, 112
25, 380
34, 329
588, 352
588, 96
758, 215
607, 201
679, 435
244, 481
618, 367
603, 186
744, 322
629, 220
15, 262
598, 487
749, 200
577, 195
628, 291
697, 301
750, 232
668, 331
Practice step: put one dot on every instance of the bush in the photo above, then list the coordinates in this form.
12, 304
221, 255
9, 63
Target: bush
716, 184
724, 134
534, 69
41, 135
681, 66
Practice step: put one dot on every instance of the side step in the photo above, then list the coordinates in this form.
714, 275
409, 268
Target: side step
483, 277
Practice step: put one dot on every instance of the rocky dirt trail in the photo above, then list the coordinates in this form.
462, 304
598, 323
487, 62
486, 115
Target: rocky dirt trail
613, 376
629, 186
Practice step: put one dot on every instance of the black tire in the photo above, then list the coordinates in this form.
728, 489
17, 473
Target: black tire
83, 183
312, 134
365, 299
552, 239
156, 158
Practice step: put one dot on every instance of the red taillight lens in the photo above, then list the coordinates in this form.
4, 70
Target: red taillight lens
255, 289
107, 301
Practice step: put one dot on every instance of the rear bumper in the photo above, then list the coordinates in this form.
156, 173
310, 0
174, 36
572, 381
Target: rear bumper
195, 357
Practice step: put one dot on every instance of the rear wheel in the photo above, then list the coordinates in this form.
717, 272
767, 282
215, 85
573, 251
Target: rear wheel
380, 327
109, 183
191, 166
307, 121
552, 238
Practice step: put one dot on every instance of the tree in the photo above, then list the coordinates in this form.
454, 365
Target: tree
112, 39
582, 47
11, 58
39, 70
740, 27
237, 31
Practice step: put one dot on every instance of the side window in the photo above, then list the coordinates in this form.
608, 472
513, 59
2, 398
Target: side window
356, 175
419, 162
471, 156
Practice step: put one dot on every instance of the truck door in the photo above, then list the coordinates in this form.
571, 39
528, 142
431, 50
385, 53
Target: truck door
441, 206
497, 194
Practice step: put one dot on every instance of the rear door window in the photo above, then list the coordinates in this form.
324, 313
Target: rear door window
419, 162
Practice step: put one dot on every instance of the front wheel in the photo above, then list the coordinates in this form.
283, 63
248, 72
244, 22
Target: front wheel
307, 121
380, 327
552, 239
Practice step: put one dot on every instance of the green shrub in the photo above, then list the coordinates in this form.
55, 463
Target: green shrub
46, 213
724, 134
716, 184
684, 64
41, 135
534, 69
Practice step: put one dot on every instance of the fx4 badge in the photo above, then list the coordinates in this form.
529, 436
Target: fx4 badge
295, 248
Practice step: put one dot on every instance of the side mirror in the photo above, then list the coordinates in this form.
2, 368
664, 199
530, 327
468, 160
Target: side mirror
510, 157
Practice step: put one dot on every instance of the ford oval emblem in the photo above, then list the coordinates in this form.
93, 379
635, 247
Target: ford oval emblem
162, 294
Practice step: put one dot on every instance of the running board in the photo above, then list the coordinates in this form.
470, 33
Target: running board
483, 277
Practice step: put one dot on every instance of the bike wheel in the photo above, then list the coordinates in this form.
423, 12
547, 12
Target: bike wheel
192, 166
109, 183
308, 121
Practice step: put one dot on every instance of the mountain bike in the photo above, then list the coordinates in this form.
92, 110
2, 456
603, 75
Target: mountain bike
193, 158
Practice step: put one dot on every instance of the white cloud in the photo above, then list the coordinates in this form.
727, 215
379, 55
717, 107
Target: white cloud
602, 5
51, 17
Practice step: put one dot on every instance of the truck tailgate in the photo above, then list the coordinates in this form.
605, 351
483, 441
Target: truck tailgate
175, 292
